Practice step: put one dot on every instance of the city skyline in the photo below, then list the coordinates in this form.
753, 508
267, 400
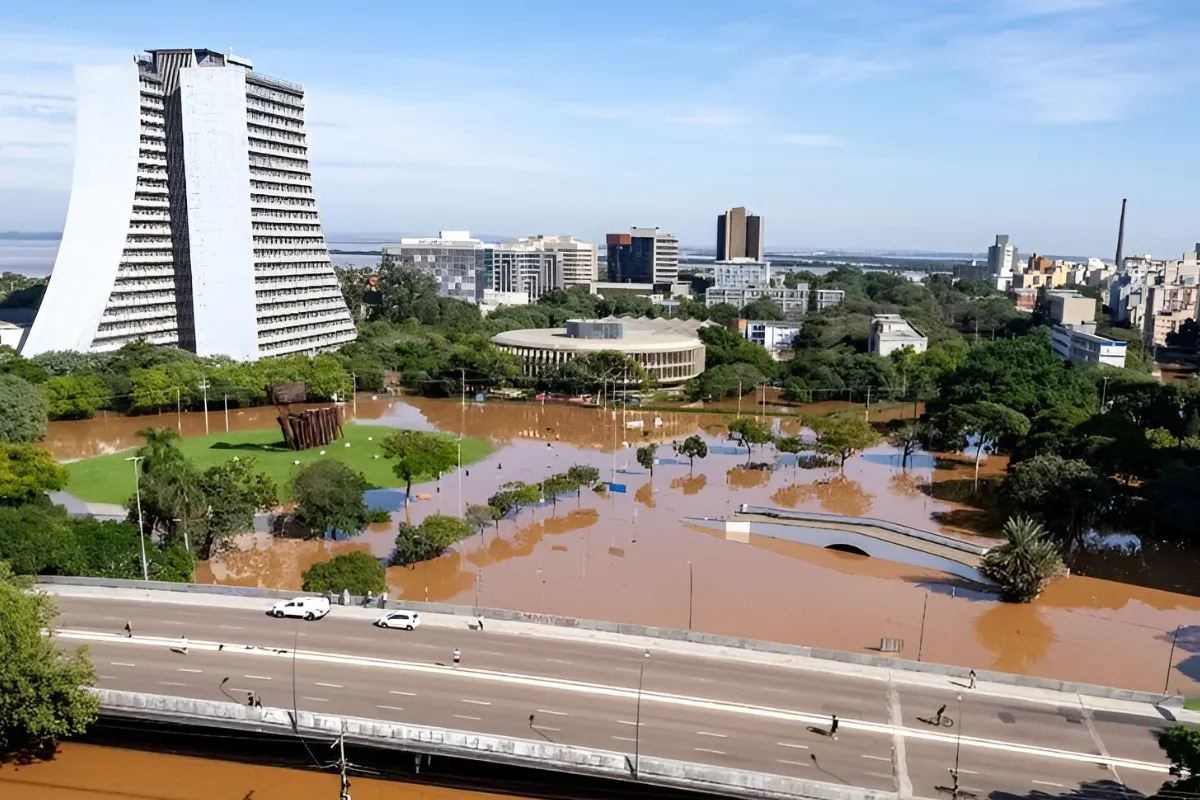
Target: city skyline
918, 126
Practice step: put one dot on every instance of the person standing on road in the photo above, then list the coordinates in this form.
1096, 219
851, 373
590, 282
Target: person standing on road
833, 726
457, 657
971, 675
128, 629
938, 718
183, 645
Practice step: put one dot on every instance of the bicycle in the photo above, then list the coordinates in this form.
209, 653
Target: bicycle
946, 722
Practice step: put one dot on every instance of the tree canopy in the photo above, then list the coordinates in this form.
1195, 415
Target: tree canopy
329, 497
418, 455
358, 572
23, 410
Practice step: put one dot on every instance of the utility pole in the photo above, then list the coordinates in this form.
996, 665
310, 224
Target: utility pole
227, 412
204, 388
342, 765
463, 385
178, 411
354, 393
137, 491
739, 395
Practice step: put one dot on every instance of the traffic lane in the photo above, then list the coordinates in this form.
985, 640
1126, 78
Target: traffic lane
1131, 737
452, 702
690, 675
982, 717
984, 772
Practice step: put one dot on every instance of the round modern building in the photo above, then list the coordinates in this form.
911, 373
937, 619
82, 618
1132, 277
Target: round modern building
669, 350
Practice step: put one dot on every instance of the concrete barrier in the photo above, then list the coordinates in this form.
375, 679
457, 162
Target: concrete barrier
673, 634
462, 744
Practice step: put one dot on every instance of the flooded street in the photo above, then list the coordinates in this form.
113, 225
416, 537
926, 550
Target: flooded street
89, 772
627, 556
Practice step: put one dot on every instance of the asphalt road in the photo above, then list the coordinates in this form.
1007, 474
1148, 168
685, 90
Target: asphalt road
715, 711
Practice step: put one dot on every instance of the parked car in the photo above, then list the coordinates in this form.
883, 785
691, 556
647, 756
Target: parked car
408, 620
309, 608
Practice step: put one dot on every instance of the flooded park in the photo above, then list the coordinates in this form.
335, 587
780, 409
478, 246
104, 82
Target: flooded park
629, 557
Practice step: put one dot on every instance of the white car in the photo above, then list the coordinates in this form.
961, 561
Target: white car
308, 608
407, 620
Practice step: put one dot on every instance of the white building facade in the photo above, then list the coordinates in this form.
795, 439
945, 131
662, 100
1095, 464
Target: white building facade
578, 264
741, 273
1081, 344
526, 268
891, 332
192, 219
460, 264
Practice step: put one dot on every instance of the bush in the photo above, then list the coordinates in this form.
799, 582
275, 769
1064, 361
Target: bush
76, 396
23, 410
358, 572
429, 539
27, 472
1024, 563
329, 496
36, 539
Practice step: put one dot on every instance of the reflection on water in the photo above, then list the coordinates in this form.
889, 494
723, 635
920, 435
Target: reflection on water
625, 556
88, 772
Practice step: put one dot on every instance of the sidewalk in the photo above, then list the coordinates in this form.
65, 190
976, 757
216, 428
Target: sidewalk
897, 676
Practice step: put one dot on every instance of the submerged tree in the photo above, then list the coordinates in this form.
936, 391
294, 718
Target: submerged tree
691, 448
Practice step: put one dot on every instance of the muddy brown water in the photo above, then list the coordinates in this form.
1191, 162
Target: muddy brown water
628, 557
89, 772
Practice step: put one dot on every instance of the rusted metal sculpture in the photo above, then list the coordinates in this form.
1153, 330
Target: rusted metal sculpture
314, 427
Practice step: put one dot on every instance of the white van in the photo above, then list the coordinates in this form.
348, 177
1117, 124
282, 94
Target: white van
309, 608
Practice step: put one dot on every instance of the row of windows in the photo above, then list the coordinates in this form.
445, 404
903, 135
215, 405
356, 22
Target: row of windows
268, 200
291, 188
269, 119
327, 328
285, 176
275, 134
279, 213
312, 243
277, 147
272, 95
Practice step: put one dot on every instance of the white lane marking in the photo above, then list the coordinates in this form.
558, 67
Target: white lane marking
793, 763
117, 619
789, 744
460, 716
545, 728
1087, 717
627, 722
231, 627
489, 653
625, 693
185, 669
968, 772
555, 713
406, 694
715, 735
876, 758
706, 750
391, 708
477, 702
356, 639
106, 677
1048, 783
257, 677
703, 680
317, 699
122, 664
557, 661
171, 683
422, 644
881, 775
623, 738
899, 749
329, 685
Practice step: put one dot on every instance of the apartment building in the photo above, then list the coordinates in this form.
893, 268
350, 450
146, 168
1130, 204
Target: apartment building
1002, 262
192, 220
741, 273
578, 264
461, 265
644, 255
1082, 345
1069, 307
1168, 306
525, 266
793, 302
739, 235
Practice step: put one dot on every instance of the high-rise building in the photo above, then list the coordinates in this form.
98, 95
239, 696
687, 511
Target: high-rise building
576, 257
192, 220
524, 266
1002, 257
741, 273
739, 235
462, 266
644, 255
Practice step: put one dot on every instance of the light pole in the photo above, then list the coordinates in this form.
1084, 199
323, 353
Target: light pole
354, 393
1171, 657
178, 411
137, 491
691, 592
204, 388
958, 745
637, 723
1104, 394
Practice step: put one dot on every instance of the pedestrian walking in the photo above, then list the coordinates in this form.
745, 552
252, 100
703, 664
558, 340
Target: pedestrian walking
345, 597
531, 720
833, 727
940, 712
971, 675
370, 599
481, 623
457, 657
183, 646
128, 629
383, 599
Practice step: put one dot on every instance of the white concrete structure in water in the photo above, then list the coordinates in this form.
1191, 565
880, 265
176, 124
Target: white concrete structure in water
192, 220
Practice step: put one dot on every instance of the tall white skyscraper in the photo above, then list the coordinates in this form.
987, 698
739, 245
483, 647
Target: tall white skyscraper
192, 220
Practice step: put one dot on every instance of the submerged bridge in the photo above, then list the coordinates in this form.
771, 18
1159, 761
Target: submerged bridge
861, 535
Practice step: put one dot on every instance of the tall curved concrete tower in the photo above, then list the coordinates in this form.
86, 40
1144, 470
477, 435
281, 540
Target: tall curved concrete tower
192, 220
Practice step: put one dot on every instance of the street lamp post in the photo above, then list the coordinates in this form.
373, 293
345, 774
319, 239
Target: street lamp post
137, 491
204, 388
958, 745
178, 410
637, 723
691, 592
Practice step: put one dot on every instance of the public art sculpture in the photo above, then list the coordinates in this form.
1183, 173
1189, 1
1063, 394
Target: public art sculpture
302, 430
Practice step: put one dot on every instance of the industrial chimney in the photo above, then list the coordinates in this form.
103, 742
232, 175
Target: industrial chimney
1121, 238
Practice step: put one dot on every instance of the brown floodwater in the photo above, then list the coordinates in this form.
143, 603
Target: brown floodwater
89, 772
628, 556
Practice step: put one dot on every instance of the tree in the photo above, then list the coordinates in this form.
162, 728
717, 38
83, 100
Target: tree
27, 472
582, 475
748, 431
726, 380
329, 496
406, 291
12, 363
417, 455
327, 377
161, 448
36, 539
514, 495
429, 539
481, 516
23, 410
987, 425
722, 313
691, 448
76, 396
555, 485
1066, 495
234, 492
645, 457
1024, 562
907, 438
42, 687
357, 572
842, 435
764, 308
1181, 746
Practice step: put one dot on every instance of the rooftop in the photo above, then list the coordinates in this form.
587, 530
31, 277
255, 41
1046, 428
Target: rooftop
636, 333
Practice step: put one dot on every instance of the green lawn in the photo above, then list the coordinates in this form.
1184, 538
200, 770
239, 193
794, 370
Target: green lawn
109, 478
1192, 703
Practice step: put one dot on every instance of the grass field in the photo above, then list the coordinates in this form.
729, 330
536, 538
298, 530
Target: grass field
109, 478
1192, 704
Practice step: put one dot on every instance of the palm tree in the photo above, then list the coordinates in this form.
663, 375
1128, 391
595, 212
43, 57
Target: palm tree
1024, 562
161, 447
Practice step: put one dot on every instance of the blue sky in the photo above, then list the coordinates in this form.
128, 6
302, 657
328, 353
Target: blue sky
919, 124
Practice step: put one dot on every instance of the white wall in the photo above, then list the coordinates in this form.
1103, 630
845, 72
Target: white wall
107, 132
215, 149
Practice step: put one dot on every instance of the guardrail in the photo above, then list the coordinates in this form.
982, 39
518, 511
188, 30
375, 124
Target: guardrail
815, 516
463, 744
627, 629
